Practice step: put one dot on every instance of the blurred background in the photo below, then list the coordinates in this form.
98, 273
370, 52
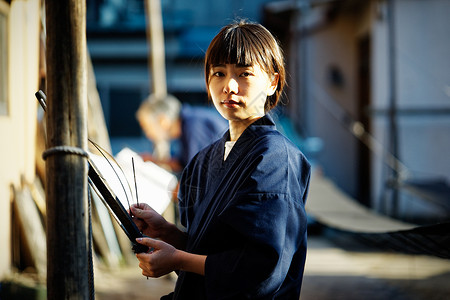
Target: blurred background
367, 101
373, 90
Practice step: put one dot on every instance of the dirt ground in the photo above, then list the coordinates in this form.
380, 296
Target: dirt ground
331, 273
129, 283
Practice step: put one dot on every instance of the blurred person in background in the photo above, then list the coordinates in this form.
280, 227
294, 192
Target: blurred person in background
168, 123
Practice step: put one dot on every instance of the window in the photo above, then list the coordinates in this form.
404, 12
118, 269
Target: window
3, 58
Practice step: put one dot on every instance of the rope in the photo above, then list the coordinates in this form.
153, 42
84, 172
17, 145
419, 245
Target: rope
64, 149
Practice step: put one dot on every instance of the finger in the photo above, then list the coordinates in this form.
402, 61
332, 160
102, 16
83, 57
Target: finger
137, 206
152, 247
147, 273
137, 212
149, 242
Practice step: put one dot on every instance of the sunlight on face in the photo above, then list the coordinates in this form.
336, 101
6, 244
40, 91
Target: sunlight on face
239, 93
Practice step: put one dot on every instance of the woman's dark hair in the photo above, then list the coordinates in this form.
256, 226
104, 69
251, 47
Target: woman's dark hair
247, 44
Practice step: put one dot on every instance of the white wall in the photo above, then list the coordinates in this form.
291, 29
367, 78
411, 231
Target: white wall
18, 129
335, 45
423, 79
422, 44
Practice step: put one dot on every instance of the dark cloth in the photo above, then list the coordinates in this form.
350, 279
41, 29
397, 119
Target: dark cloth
200, 126
247, 214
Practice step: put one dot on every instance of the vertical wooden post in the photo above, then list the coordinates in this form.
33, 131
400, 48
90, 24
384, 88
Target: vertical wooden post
155, 41
67, 215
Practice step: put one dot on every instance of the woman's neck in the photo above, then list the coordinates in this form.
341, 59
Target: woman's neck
238, 127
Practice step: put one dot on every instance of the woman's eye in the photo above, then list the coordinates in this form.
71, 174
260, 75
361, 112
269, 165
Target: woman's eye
246, 74
218, 74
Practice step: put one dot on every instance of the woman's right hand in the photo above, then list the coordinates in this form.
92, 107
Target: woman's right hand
149, 222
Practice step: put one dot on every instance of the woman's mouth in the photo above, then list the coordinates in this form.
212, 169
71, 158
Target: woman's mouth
231, 103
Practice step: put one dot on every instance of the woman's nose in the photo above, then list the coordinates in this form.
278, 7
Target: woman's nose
231, 86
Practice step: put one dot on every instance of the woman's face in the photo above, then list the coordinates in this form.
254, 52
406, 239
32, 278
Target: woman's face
238, 92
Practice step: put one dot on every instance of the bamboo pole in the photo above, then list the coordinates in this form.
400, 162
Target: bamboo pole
66, 190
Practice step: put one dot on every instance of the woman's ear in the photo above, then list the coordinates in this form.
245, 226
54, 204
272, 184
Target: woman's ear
273, 84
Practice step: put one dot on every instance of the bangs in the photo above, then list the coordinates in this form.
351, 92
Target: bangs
238, 46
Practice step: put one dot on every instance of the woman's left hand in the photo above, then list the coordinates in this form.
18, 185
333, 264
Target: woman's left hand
160, 260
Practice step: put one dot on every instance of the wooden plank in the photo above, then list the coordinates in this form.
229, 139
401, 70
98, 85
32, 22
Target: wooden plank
31, 228
38, 194
40, 148
97, 130
125, 245
104, 234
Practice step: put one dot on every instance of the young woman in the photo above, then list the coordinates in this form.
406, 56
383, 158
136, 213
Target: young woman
242, 199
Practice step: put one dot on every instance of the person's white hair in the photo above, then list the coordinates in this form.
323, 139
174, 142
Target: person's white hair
152, 107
